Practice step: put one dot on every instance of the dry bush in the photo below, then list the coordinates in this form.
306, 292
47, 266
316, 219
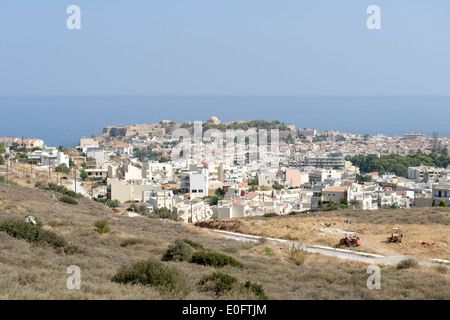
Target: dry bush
297, 255
441, 269
407, 264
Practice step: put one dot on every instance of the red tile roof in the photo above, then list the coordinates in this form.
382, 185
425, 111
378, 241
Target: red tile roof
122, 145
336, 189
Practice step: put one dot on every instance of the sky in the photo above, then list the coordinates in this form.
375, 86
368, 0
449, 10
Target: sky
224, 47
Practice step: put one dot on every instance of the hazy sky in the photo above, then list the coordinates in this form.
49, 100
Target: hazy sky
225, 47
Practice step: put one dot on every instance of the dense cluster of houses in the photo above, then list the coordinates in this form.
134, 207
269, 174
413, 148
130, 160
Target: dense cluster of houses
309, 177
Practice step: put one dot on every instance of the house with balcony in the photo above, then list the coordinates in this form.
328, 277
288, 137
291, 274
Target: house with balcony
441, 192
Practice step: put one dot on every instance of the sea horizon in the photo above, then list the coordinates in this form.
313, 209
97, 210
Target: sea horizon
64, 119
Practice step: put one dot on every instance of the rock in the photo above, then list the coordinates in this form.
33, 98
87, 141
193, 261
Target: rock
48, 228
31, 219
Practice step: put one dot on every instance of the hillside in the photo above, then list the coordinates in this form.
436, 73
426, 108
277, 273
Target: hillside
30, 271
114, 134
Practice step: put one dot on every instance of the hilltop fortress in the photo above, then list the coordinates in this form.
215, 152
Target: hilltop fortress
166, 127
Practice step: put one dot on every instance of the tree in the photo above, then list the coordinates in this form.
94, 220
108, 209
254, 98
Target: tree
213, 200
2, 148
365, 178
320, 204
355, 204
433, 204
219, 192
2, 160
443, 203
112, 203
63, 168
83, 175
277, 186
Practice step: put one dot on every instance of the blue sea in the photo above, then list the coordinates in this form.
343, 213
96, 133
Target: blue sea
64, 120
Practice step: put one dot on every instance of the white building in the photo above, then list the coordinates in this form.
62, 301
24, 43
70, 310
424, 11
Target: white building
123, 149
195, 182
49, 156
157, 171
193, 211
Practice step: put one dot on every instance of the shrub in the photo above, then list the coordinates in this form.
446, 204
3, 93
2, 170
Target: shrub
10, 182
269, 252
68, 200
63, 168
57, 188
407, 264
214, 259
32, 234
163, 213
112, 203
218, 282
441, 269
101, 200
257, 290
292, 213
193, 244
151, 272
298, 256
277, 186
178, 251
443, 203
270, 214
102, 226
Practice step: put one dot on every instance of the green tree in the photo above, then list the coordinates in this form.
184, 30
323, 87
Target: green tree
212, 200
83, 175
277, 186
365, 178
63, 168
433, 204
443, 203
219, 192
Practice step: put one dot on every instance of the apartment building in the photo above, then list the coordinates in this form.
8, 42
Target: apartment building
195, 182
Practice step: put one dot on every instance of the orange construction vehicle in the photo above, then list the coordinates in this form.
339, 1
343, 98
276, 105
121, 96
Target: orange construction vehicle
351, 240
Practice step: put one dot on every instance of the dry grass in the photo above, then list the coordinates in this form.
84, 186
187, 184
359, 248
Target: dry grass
40, 272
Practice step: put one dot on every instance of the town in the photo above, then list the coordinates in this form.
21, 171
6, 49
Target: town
137, 171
